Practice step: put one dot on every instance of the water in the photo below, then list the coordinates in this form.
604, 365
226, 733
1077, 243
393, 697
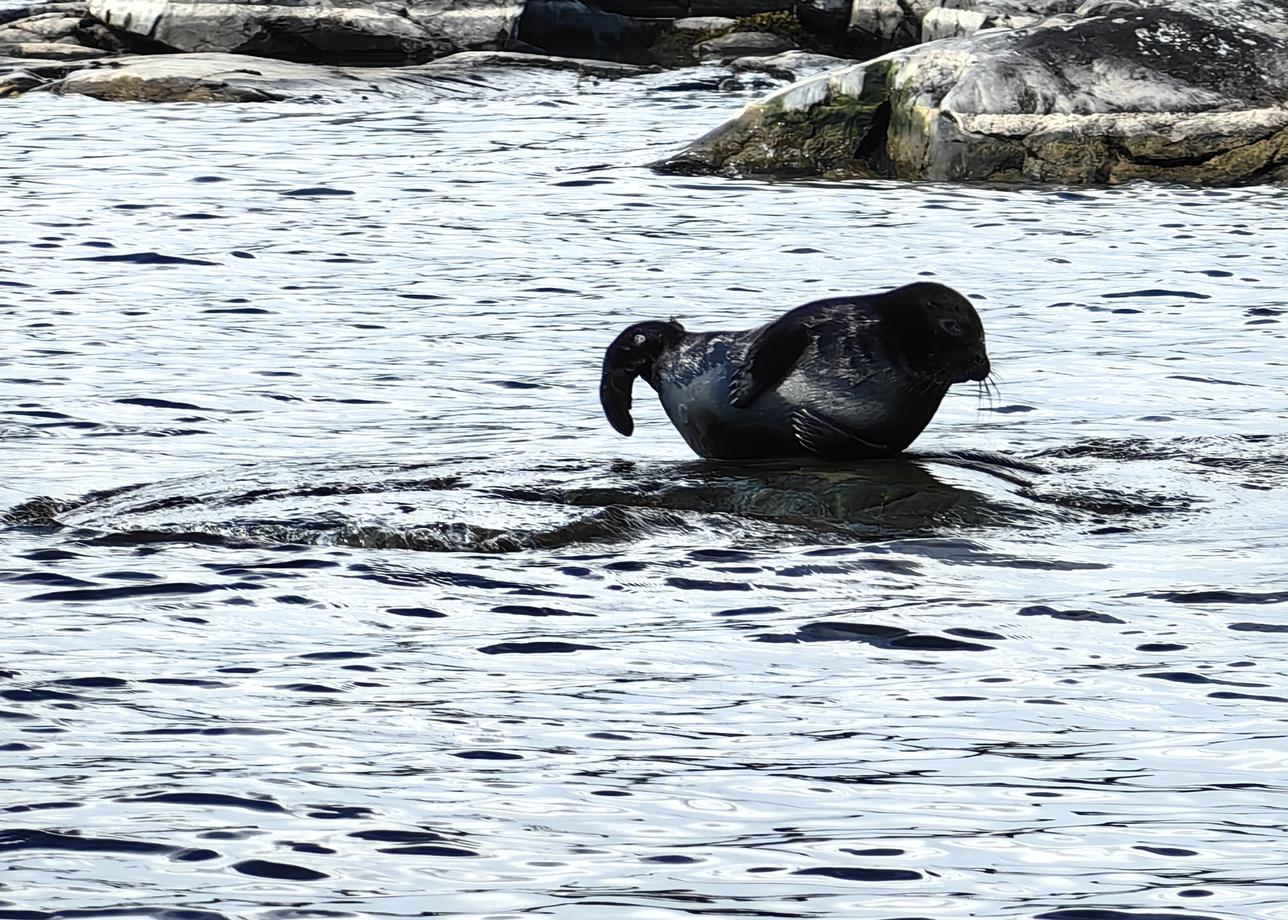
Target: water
329, 592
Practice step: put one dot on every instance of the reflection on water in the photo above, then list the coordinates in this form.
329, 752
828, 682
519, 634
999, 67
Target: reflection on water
330, 593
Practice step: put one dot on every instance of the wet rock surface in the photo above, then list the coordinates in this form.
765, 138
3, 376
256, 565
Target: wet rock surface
1155, 94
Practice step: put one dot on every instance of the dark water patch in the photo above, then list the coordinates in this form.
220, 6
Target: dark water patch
399, 836
31, 839
1165, 851
1258, 697
285, 565
453, 579
1161, 647
157, 403
127, 591
721, 555
1097, 913
40, 806
309, 688
430, 850
263, 868
968, 633
199, 682
1010, 409
486, 755
1260, 627
102, 683
339, 812
144, 258
747, 611
232, 730
523, 610
856, 874
1218, 596
707, 584
50, 555
1192, 379
1189, 677
36, 695
423, 612
1158, 292
317, 191
334, 656
208, 799
1085, 616
671, 859
538, 648
887, 637
50, 579
130, 576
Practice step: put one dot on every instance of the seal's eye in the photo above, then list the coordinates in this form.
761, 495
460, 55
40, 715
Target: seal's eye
640, 338
951, 326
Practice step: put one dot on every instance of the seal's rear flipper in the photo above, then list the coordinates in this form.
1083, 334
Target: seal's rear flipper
769, 359
827, 437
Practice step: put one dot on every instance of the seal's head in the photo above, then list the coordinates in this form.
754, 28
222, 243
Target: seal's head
938, 332
633, 354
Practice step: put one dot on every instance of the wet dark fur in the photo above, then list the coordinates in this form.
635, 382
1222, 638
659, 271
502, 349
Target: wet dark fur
847, 377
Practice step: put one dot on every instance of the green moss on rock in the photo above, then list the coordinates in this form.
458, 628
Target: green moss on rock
842, 136
784, 24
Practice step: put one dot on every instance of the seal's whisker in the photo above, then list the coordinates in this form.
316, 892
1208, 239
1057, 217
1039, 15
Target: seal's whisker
984, 395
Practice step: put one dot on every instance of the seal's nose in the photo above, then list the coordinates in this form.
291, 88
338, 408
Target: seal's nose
979, 368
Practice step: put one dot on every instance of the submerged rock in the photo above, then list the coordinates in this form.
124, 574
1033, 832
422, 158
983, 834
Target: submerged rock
1156, 94
218, 77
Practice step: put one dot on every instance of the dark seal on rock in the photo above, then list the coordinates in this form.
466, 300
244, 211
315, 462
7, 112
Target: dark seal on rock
842, 378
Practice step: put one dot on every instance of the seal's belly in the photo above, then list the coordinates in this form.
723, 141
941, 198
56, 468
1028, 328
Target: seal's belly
701, 411
882, 408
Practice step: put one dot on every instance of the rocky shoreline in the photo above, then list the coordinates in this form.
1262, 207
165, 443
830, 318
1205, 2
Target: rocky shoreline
1102, 91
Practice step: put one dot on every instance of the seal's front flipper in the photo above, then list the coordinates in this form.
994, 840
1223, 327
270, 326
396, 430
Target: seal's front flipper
769, 359
827, 437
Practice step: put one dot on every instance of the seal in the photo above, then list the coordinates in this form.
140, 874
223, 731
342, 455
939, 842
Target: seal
843, 378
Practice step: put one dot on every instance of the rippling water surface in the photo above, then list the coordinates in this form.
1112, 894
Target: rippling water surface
330, 593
